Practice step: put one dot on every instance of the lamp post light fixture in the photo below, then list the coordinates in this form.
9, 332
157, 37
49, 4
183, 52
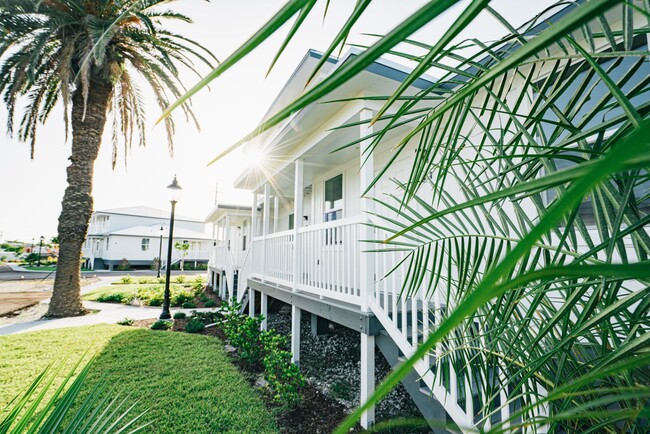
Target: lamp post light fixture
162, 230
175, 192
40, 247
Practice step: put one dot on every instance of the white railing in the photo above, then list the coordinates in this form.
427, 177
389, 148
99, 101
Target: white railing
328, 264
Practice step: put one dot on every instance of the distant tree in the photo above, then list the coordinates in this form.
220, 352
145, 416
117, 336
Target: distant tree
31, 258
88, 55
183, 248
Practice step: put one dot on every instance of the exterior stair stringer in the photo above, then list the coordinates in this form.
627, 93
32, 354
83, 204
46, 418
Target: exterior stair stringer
462, 419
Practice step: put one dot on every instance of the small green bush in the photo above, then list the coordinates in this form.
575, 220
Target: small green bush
204, 297
207, 317
118, 297
124, 265
144, 281
180, 297
189, 305
126, 321
161, 279
194, 326
179, 315
180, 279
210, 303
283, 376
126, 279
243, 332
161, 324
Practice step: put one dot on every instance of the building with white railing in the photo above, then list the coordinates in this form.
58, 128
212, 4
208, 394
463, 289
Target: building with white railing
139, 236
312, 229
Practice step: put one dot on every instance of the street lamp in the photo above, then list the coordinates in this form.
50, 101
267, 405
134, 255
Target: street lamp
40, 247
162, 230
175, 191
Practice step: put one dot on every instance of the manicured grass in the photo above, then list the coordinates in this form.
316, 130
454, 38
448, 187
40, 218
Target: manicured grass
184, 380
41, 268
130, 288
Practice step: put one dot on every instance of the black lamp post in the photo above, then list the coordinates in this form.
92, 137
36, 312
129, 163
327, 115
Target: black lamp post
175, 191
160, 250
40, 247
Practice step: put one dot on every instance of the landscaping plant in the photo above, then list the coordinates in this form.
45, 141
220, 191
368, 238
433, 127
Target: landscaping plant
179, 315
126, 321
194, 325
161, 325
283, 376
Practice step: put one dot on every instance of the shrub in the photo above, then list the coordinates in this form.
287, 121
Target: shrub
180, 279
194, 326
189, 305
179, 315
204, 297
118, 297
161, 279
198, 287
199, 279
180, 297
126, 321
124, 265
210, 303
144, 281
126, 279
207, 317
161, 325
243, 332
283, 376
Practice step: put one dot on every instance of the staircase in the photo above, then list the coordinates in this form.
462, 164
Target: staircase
408, 322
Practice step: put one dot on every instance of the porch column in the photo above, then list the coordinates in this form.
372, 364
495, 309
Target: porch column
276, 212
264, 310
298, 190
265, 226
366, 175
295, 334
253, 235
367, 377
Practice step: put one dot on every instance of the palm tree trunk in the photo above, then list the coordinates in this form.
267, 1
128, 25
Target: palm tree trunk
77, 205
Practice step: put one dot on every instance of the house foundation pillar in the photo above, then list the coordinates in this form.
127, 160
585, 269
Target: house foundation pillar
264, 310
367, 377
251, 303
319, 325
295, 334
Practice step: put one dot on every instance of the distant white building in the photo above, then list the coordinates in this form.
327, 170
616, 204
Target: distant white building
139, 235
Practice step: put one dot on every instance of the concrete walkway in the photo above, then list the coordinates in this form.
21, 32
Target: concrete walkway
109, 313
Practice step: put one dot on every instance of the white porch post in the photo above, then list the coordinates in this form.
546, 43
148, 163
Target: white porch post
276, 212
251, 303
229, 273
295, 334
367, 269
253, 235
367, 377
265, 226
298, 190
367, 264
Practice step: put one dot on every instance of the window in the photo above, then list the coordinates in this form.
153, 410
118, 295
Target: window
292, 222
107, 240
244, 234
145, 244
334, 199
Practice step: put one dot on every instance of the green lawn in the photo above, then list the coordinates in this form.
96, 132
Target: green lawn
130, 288
185, 381
41, 268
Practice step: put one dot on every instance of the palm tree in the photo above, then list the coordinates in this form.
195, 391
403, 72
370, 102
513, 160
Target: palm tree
89, 55
542, 256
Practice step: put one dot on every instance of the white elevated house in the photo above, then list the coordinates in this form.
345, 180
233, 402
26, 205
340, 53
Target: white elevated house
140, 235
230, 245
308, 229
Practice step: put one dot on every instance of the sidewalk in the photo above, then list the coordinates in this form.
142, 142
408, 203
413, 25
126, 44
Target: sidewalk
109, 313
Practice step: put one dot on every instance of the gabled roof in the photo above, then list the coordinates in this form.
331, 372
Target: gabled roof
145, 211
222, 209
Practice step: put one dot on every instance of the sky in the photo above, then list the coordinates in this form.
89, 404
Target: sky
31, 190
